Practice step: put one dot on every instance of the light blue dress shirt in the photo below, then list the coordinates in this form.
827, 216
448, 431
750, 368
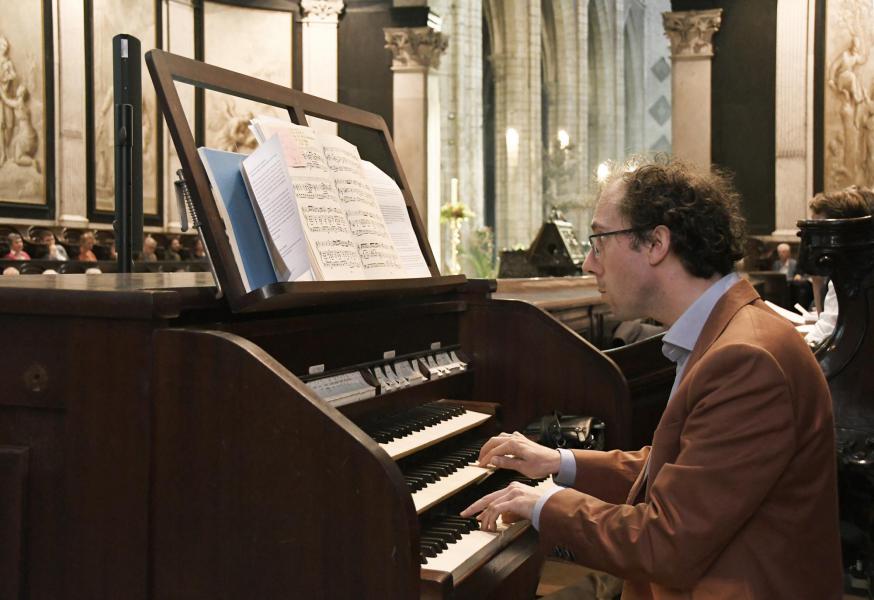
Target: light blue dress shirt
677, 346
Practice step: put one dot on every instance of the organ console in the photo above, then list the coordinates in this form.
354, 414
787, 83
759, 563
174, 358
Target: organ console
159, 442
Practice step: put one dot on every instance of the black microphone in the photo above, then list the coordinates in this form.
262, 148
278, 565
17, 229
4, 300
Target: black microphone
127, 96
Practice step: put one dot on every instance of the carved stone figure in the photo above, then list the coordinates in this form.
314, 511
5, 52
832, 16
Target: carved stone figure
7, 79
103, 145
235, 135
25, 141
842, 78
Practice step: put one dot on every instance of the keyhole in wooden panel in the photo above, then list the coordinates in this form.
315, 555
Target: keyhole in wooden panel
36, 378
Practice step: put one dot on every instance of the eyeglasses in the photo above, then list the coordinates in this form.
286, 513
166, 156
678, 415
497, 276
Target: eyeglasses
596, 246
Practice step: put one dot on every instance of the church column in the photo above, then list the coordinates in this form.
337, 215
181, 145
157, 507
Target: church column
416, 55
793, 114
691, 34
319, 40
179, 23
71, 200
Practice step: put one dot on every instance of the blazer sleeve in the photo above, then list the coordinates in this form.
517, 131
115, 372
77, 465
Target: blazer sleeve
738, 397
608, 475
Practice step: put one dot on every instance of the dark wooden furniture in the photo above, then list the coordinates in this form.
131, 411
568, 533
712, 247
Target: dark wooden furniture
159, 442
650, 377
574, 301
153, 444
843, 249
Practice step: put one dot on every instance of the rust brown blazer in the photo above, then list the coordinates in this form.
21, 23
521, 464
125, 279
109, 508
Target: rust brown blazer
740, 500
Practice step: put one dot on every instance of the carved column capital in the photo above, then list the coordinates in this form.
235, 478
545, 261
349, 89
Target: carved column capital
415, 47
691, 32
321, 11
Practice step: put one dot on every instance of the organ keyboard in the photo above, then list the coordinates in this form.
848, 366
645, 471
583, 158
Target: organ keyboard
187, 445
464, 546
420, 432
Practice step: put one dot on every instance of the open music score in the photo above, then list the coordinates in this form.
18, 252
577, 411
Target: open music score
345, 230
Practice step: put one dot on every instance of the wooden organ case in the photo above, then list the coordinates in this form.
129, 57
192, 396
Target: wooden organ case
843, 250
157, 442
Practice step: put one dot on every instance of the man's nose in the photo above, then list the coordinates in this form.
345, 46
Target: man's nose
590, 264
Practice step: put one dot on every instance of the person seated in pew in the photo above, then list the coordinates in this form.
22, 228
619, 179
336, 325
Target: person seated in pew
198, 252
736, 497
86, 245
16, 248
55, 250
785, 263
800, 288
11, 271
174, 251
150, 245
848, 203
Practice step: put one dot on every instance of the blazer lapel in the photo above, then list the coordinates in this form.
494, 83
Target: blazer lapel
738, 296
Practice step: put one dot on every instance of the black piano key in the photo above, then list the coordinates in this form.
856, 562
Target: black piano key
454, 532
433, 539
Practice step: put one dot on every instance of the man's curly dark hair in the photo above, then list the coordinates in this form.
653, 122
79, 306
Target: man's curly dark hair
701, 209
850, 202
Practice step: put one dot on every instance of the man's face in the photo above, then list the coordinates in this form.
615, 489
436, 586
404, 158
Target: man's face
175, 245
17, 245
623, 273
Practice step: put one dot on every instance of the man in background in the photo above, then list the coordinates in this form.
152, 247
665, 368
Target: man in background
785, 263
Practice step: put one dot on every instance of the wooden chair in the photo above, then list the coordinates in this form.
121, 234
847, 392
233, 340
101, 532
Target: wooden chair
71, 267
31, 268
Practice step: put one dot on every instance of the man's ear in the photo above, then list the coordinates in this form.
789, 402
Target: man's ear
659, 244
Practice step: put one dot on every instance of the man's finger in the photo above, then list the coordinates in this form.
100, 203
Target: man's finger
492, 443
481, 504
507, 447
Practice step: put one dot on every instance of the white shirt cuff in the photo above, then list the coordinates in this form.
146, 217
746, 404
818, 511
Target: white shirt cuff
535, 515
567, 470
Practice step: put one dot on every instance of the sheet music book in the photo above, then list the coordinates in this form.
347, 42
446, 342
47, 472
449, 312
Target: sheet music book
244, 234
305, 207
278, 215
340, 211
397, 220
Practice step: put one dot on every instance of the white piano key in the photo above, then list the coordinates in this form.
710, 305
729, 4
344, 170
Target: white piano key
447, 486
417, 440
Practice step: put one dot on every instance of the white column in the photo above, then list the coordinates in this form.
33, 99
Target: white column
71, 208
691, 34
793, 114
179, 25
319, 53
416, 55
516, 62
461, 90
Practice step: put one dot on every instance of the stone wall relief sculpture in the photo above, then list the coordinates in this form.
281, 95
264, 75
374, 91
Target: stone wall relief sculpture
109, 18
849, 95
22, 107
19, 141
264, 51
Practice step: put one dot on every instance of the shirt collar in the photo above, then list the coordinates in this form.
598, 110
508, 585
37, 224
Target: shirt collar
682, 336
